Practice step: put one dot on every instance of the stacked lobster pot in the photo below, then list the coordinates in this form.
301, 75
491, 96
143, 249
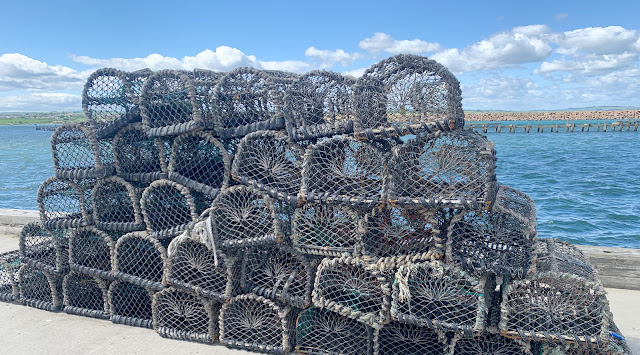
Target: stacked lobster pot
275, 212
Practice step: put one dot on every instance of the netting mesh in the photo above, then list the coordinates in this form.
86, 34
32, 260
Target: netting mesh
397, 338
616, 345
130, 304
136, 80
444, 169
320, 331
279, 273
204, 82
140, 259
327, 230
45, 249
91, 251
516, 203
138, 157
554, 255
267, 161
168, 208
354, 289
116, 205
10, 263
200, 162
40, 289
319, 104
344, 170
489, 344
442, 296
182, 315
78, 154
396, 231
406, 94
85, 295
255, 323
555, 307
64, 204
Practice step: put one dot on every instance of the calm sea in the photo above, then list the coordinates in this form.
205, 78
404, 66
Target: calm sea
586, 186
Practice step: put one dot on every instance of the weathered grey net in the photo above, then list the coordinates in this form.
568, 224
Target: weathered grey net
85, 295
78, 153
45, 249
616, 345
182, 315
325, 332
10, 263
116, 205
136, 80
168, 208
255, 323
399, 338
91, 252
553, 255
138, 157
319, 104
140, 259
130, 304
64, 203
40, 289
489, 344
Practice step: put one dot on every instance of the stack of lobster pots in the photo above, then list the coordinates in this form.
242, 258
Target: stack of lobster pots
275, 212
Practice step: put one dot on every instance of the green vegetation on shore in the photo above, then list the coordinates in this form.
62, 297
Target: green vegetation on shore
40, 118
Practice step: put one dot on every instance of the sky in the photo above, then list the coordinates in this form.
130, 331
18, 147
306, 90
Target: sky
507, 55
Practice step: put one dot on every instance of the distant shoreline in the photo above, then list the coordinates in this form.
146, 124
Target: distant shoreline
552, 115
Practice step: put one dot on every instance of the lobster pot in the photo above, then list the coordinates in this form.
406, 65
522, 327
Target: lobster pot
138, 157
116, 205
554, 255
168, 208
244, 217
342, 170
353, 288
85, 295
616, 345
248, 100
65, 203
406, 94
489, 344
257, 324
319, 104
279, 273
444, 169
555, 307
184, 316
130, 304
200, 162
91, 252
204, 83
398, 338
79, 154
140, 259
267, 161
108, 101
319, 331
136, 80
44, 249
168, 104
40, 289
9, 265
397, 231
441, 296
326, 230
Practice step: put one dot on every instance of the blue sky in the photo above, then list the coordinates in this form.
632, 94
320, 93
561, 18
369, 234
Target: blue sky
509, 55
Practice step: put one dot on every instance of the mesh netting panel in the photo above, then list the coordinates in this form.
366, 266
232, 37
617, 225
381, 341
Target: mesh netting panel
9, 265
555, 307
130, 304
136, 80
140, 259
255, 323
442, 296
248, 100
138, 157
63, 204
328, 230
493, 344
78, 154
344, 170
91, 251
168, 208
116, 205
279, 273
267, 161
40, 289
397, 338
554, 255
354, 289
516, 203
396, 231
243, 217
319, 104
85, 295
320, 331
200, 162
204, 82
617, 345
181, 315
444, 169
45, 249
406, 94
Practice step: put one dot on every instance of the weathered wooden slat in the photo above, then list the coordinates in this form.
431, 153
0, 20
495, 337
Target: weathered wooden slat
617, 267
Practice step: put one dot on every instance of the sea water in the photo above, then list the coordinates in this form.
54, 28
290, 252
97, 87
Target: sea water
586, 186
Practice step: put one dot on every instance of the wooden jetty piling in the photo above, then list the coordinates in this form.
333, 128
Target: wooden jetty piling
497, 127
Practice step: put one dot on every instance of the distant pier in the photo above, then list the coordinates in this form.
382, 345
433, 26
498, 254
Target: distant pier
497, 127
47, 127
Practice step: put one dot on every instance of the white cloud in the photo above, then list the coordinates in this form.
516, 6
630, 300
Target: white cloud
382, 42
591, 65
356, 73
41, 102
18, 71
598, 40
561, 16
329, 58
